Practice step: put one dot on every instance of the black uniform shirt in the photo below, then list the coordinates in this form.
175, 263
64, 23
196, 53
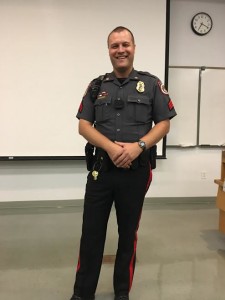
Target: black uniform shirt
125, 112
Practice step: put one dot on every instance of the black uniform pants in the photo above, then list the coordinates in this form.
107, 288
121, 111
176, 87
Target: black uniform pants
127, 189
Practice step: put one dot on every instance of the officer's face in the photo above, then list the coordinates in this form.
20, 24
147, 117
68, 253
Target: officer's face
121, 52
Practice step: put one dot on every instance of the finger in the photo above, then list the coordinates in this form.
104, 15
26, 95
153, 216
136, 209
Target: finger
120, 143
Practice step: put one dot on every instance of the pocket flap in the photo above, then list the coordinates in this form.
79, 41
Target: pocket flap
138, 99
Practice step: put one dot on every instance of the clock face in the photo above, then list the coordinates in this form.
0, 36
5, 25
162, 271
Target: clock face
201, 23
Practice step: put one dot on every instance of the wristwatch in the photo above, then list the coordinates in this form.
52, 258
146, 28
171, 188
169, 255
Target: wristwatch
142, 144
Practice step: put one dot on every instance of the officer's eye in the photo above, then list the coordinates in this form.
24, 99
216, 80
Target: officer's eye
125, 45
114, 46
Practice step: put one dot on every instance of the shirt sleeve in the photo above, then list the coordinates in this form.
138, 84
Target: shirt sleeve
86, 109
163, 108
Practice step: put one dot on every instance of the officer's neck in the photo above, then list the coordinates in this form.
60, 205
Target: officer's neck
122, 73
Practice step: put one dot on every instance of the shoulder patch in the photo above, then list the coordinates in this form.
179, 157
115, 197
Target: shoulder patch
162, 88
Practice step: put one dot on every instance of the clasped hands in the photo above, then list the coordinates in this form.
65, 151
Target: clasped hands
122, 154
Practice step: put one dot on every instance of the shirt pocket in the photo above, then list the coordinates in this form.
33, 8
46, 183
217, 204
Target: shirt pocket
102, 109
139, 108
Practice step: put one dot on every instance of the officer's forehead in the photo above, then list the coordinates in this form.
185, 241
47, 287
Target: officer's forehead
122, 36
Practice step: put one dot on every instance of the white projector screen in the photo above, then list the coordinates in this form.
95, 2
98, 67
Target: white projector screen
50, 50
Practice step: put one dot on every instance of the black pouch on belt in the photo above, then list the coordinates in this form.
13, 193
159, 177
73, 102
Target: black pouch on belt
144, 158
141, 160
89, 155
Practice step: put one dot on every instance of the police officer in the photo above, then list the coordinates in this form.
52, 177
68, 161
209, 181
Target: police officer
122, 111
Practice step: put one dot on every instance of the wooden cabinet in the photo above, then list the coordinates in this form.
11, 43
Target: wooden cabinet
220, 200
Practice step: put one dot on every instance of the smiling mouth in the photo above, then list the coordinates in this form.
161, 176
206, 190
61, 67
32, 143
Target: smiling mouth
121, 57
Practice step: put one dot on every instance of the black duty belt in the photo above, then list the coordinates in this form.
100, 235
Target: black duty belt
101, 157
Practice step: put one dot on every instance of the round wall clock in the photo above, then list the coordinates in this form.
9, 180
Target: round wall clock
201, 23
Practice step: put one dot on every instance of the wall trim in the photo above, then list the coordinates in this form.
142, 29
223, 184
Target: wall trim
62, 206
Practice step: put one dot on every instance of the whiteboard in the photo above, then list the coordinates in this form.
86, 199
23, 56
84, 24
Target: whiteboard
183, 90
212, 113
50, 51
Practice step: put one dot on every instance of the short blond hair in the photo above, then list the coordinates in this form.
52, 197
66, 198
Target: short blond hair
119, 29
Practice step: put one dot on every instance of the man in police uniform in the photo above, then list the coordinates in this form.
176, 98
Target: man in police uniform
122, 111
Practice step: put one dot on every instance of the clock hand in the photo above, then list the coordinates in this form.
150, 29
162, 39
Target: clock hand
200, 26
205, 25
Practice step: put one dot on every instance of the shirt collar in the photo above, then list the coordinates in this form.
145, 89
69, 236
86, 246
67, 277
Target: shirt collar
133, 76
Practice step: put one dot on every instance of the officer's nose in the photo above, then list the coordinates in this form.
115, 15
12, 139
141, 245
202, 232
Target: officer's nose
121, 49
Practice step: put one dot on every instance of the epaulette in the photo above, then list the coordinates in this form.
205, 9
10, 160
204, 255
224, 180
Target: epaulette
147, 74
101, 77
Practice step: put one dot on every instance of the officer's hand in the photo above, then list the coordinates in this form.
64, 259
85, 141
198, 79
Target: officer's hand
130, 152
114, 152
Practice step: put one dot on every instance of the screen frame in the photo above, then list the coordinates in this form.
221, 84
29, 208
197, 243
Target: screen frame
162, 143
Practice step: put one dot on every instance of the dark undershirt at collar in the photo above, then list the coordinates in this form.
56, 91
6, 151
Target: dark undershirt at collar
121, 80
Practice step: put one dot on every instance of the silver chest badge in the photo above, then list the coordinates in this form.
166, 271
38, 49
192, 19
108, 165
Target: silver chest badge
140, 87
